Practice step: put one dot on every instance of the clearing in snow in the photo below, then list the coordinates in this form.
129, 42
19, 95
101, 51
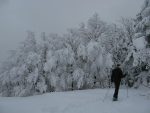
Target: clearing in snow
85, 101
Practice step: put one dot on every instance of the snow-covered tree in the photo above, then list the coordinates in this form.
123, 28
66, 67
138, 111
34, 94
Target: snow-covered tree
139, 53
24, 63
93, 30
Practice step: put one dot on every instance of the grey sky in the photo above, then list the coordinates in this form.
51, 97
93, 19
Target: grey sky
55, 16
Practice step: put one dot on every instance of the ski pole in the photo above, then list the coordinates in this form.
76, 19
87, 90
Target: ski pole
106, 94
127, 85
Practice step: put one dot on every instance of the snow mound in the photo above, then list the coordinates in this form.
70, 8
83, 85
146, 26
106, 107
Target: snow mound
139, 43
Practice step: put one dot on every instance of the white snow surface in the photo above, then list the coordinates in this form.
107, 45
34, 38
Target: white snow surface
85, 101
139, 43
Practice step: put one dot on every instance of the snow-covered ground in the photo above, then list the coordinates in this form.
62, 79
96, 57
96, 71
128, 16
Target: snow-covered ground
85, 101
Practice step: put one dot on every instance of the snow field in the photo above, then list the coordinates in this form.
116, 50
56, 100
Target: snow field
86, 101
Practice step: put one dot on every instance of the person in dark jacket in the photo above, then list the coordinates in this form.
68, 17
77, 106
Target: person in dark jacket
116, 76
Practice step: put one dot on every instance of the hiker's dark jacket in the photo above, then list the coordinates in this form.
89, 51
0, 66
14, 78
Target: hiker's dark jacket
116, 75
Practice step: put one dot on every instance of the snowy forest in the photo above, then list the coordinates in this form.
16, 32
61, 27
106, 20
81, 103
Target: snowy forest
81, 58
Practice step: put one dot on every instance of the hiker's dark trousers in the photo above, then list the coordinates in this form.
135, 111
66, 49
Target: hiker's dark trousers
117, 85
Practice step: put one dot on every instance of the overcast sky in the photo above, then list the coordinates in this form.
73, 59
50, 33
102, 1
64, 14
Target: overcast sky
55, 16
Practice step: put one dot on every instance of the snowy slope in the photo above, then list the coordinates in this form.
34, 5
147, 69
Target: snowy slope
86, 101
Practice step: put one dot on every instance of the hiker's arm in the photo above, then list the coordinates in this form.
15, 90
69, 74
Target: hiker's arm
122, 75
112, 76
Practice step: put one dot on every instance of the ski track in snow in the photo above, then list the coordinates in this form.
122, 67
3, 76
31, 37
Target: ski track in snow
85, 101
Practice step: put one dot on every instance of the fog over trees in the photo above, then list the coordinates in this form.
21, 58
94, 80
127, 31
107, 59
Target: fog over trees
82, 58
